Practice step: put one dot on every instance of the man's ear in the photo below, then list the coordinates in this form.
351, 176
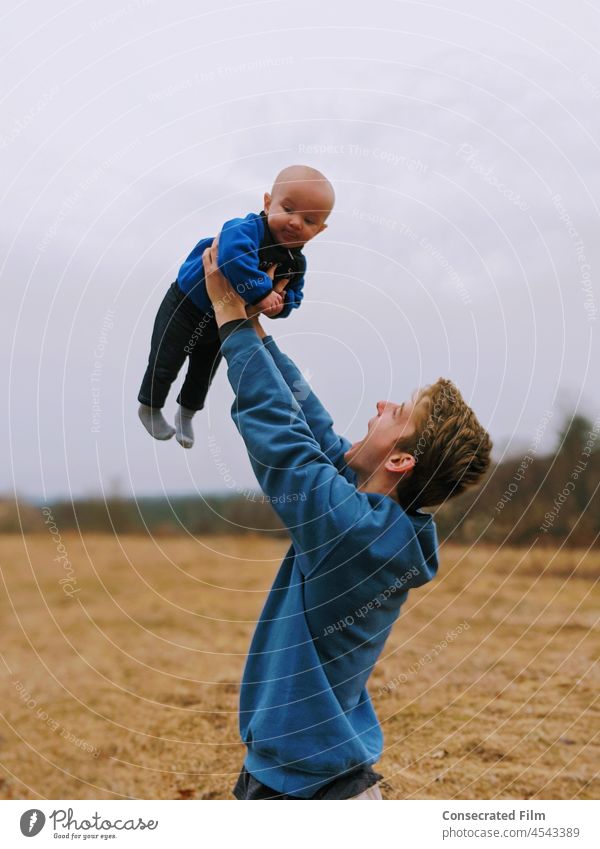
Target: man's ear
400, 463
267, 202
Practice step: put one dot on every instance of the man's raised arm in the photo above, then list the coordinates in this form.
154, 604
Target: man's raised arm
314, 501
305, 402
317, 417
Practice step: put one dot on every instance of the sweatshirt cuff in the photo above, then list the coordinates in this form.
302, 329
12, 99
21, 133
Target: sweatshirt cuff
271, 345
225, 330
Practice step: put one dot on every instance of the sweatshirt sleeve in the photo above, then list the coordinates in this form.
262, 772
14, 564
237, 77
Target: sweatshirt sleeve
313, 500
319, 421
239, 241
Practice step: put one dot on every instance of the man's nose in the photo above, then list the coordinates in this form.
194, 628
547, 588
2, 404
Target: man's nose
381, 406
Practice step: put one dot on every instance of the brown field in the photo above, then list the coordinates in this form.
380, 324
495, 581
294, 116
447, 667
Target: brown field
129, 688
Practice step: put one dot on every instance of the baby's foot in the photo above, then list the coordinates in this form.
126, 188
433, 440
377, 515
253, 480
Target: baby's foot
155, 423
183, 422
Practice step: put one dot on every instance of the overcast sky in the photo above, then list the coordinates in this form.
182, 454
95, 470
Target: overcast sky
463, 143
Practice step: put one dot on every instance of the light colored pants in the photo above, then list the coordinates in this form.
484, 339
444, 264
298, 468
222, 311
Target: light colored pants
371, 793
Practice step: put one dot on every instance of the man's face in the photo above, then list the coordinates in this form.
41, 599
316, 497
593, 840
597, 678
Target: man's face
296, 212
391, 423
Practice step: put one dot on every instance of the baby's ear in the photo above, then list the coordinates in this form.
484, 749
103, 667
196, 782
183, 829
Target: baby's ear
322, 227
267, 202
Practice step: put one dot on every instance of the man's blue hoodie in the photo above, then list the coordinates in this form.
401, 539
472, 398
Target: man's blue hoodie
305, 714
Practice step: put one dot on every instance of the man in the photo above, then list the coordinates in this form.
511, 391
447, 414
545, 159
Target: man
359, 543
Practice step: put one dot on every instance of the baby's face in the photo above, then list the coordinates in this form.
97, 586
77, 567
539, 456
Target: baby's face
296, 212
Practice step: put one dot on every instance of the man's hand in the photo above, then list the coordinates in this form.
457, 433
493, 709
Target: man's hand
271, 304
254, 311
226, 302
280, 285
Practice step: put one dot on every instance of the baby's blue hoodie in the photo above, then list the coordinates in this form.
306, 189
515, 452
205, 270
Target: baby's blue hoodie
246, 249
306, 716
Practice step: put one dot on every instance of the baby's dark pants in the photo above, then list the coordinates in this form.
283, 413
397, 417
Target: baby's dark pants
180, 330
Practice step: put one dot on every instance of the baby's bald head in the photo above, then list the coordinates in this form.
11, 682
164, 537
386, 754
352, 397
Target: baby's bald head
310, 179
299, 203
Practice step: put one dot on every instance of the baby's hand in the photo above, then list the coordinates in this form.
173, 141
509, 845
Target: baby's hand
271, 304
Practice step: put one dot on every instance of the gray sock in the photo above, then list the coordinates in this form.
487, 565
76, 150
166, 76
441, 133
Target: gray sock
184, 433
155, 423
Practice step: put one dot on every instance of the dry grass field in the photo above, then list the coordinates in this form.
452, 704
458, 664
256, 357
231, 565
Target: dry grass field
128, 688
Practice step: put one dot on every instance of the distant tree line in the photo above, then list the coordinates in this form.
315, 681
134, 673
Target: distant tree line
523, 499
530, 497
197, 515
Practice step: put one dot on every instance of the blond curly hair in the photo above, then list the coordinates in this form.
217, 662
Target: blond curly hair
451, 448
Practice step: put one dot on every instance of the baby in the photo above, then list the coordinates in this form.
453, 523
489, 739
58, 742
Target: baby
261, 256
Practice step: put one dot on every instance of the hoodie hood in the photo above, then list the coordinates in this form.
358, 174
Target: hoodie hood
356, 595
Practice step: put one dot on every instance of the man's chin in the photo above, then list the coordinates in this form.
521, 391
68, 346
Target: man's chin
349, 454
